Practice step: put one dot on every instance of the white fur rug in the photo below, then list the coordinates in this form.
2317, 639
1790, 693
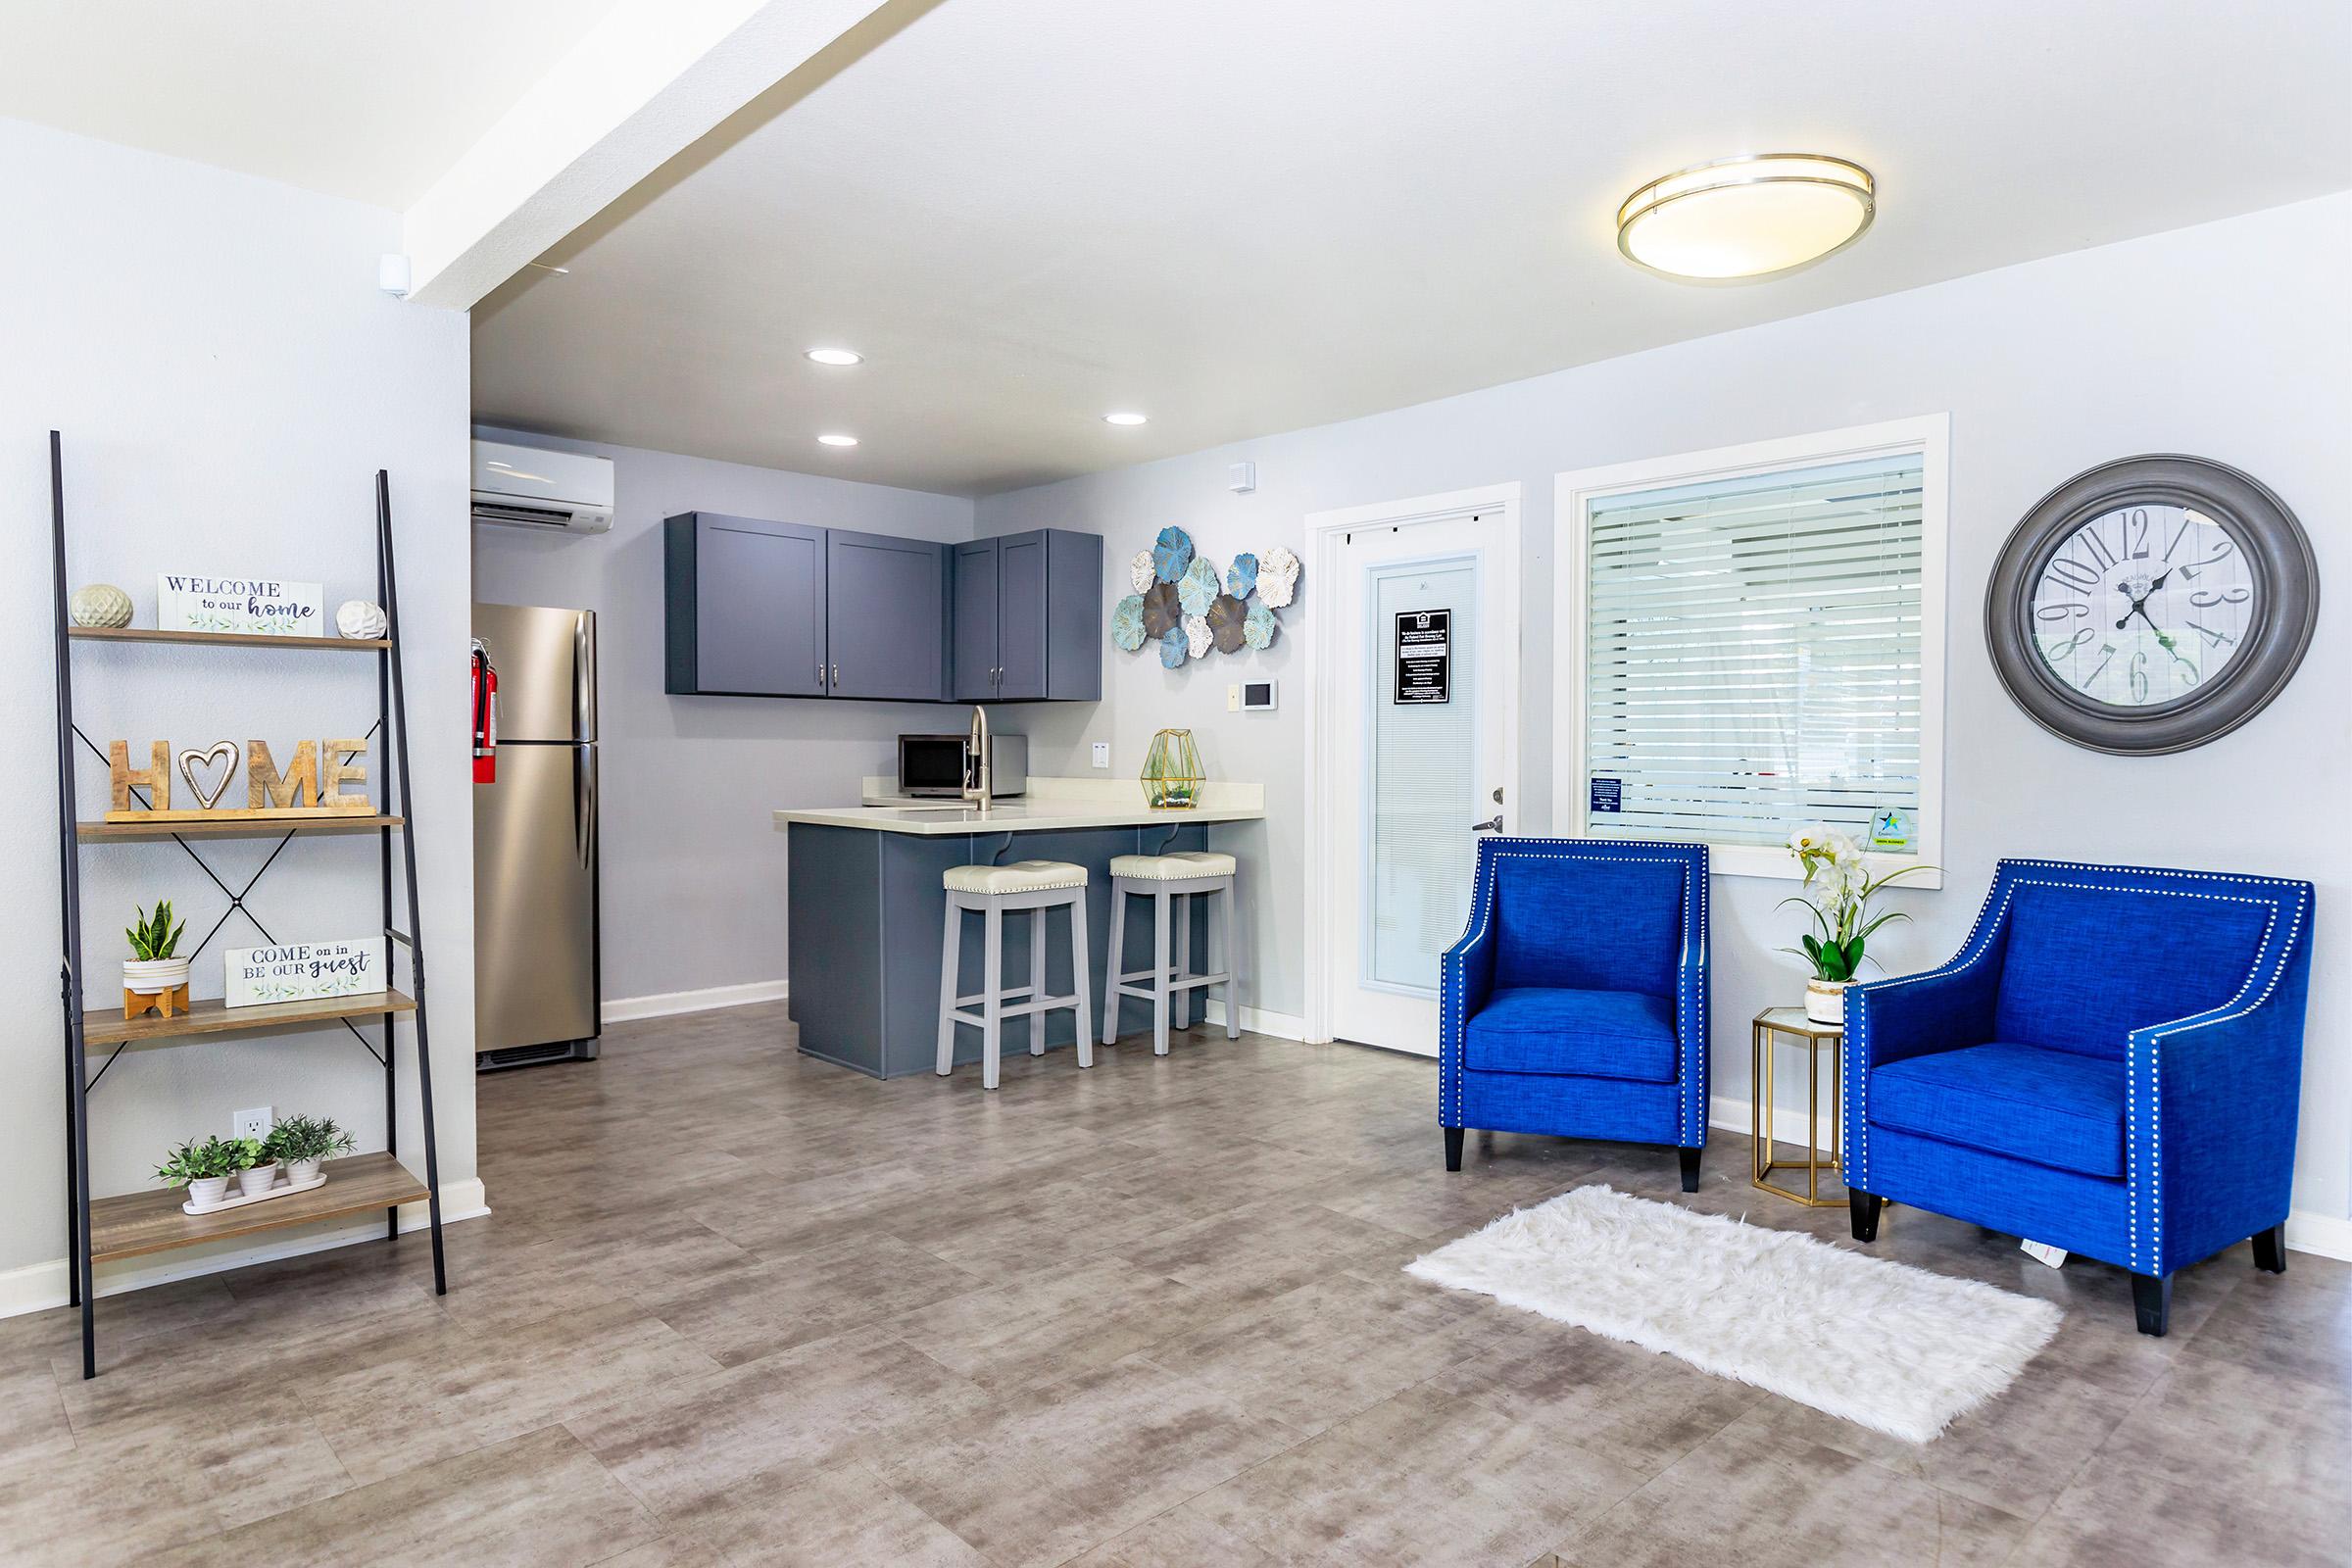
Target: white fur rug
1892, 1347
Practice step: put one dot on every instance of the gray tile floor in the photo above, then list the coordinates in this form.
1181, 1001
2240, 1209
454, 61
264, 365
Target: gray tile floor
739, 1307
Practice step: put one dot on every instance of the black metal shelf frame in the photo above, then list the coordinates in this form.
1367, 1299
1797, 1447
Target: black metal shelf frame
391, 721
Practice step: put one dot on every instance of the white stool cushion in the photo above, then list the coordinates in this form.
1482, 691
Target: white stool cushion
1021, 876
1184, 866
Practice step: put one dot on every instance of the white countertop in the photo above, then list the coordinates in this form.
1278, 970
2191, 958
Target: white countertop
1051, 804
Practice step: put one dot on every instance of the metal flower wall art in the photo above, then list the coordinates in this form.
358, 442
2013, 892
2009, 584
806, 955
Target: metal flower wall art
1184, 608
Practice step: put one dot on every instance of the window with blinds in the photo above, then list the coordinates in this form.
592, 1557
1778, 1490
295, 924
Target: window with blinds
1753, 660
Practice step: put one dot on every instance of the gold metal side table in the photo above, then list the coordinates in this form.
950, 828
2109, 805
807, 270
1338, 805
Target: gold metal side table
1818, 1040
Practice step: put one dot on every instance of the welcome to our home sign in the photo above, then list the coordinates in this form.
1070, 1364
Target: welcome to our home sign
302, 970
266, 607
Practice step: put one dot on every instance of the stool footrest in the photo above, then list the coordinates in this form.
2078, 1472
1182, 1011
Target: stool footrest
1021, 1011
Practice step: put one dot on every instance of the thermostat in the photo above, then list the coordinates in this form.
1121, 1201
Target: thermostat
1257, 697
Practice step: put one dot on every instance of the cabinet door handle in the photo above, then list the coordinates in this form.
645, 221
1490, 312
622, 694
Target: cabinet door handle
820, 677
837, 675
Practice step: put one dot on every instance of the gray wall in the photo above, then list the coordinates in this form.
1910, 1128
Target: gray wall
693, 873
228, 380
2233, 340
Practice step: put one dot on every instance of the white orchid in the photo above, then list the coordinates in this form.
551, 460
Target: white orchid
1839, 888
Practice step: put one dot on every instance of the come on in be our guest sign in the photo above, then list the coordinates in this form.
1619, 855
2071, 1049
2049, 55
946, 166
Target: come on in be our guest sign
266, 607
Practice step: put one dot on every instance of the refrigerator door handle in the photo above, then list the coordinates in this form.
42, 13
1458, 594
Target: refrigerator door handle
583, 803
583, 676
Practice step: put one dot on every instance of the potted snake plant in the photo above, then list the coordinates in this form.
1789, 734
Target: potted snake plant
154, 966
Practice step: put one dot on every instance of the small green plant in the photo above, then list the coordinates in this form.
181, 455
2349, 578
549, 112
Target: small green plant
155, 936
201, 1159
307, 1138
1839, 888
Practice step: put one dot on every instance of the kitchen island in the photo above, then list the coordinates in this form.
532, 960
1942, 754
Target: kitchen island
866, 906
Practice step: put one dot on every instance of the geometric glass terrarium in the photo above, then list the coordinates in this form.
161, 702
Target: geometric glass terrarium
1172, 771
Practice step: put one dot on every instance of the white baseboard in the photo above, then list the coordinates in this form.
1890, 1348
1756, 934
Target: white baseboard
2315, 1234
2320, 1236
1257, 1020
670, 1004
38, 1287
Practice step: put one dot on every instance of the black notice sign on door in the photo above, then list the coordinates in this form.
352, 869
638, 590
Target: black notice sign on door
1424, 656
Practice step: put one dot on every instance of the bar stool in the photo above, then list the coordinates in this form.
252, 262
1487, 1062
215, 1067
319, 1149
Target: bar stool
1169, 881
1037, 886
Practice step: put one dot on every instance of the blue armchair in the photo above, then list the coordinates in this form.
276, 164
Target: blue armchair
2110, 1065
1576, 1003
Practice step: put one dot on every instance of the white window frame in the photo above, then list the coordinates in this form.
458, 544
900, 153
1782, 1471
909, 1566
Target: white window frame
1572, 496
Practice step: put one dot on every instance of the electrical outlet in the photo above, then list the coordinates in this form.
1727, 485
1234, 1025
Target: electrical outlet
1101, 753
1233, 698
256, 1123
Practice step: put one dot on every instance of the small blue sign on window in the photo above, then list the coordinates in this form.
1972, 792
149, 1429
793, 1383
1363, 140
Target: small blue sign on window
1608, 795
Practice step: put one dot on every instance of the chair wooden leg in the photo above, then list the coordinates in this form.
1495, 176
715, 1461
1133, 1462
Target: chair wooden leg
2152, 1302
1082, 980
948, 952
992, 994
1454, 1148
1865, 1209
1037, 979
1229, 960
1180, 910
1159, 973
1115, 960
2270, 1250
1689, 1168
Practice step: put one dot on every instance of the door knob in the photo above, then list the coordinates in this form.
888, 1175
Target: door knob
1493, 827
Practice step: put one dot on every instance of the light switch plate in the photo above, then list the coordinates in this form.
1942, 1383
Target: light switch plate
255, 1123
1233, 698
1101, 753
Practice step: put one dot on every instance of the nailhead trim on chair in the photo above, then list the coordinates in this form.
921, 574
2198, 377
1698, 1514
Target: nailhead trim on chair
2143, 1057
1691, 1005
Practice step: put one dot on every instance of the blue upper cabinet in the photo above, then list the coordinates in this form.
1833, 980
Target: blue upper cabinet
887, 616
745, 607
1029, 617
783, 609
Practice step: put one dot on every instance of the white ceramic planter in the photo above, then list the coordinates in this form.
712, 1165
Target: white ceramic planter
1825, 1000
207, 1191
152, 977
299, 1171
257, 1179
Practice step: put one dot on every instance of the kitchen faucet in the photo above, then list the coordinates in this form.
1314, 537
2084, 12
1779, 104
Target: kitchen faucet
975, 761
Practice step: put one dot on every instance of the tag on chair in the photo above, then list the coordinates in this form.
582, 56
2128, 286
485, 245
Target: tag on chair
2044, 1253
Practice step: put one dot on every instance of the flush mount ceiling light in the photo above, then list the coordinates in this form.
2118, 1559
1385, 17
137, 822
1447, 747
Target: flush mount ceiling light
838, 440
836, 356
1122, 418
1747, 217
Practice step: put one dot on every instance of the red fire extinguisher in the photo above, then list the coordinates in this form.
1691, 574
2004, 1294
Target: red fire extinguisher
485, 715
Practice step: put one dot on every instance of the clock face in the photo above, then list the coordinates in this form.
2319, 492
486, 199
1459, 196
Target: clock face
2141, 605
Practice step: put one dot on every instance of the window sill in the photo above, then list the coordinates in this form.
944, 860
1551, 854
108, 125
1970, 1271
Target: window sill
1774, 864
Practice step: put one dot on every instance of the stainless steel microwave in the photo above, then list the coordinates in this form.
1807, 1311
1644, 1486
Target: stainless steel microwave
936, 765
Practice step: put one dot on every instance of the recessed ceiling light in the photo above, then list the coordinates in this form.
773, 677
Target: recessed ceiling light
838, 440
1747, 217
1123, 418
836, 356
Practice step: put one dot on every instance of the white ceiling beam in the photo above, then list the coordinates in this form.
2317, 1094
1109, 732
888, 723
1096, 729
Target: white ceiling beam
646, 83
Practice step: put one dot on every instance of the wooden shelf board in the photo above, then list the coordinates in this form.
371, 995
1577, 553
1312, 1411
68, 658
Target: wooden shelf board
138, 1223
236, 639
240, 827
211, 1018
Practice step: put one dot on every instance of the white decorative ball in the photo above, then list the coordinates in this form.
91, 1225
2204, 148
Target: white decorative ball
1277, 576
101, 603
1141, 572
358, 619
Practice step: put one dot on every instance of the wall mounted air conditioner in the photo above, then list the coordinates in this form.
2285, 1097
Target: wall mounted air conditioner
535, 489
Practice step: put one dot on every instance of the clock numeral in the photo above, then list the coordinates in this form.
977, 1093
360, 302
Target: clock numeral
2140, 676
2135, 533
2059, 612
2073, 575
2207, 598
2221, 552
2097, 547
2105, 648
2188, 520
2213, 639
2057, 650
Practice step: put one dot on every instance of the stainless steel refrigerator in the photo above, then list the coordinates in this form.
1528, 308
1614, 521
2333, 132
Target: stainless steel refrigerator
535, 938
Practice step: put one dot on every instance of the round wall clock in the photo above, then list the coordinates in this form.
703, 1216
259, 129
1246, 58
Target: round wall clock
2151, 604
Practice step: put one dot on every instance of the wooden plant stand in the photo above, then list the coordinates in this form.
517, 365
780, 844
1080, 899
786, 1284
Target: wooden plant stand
135, 1002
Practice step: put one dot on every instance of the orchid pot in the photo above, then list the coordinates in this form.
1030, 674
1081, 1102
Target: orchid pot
1837, 894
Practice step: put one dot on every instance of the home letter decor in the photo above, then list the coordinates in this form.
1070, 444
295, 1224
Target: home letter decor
265, 786
346, 763
156, 781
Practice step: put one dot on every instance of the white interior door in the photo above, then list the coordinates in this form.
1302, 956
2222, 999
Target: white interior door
1420, 692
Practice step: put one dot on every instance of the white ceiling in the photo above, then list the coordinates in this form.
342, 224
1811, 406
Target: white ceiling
355, 98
